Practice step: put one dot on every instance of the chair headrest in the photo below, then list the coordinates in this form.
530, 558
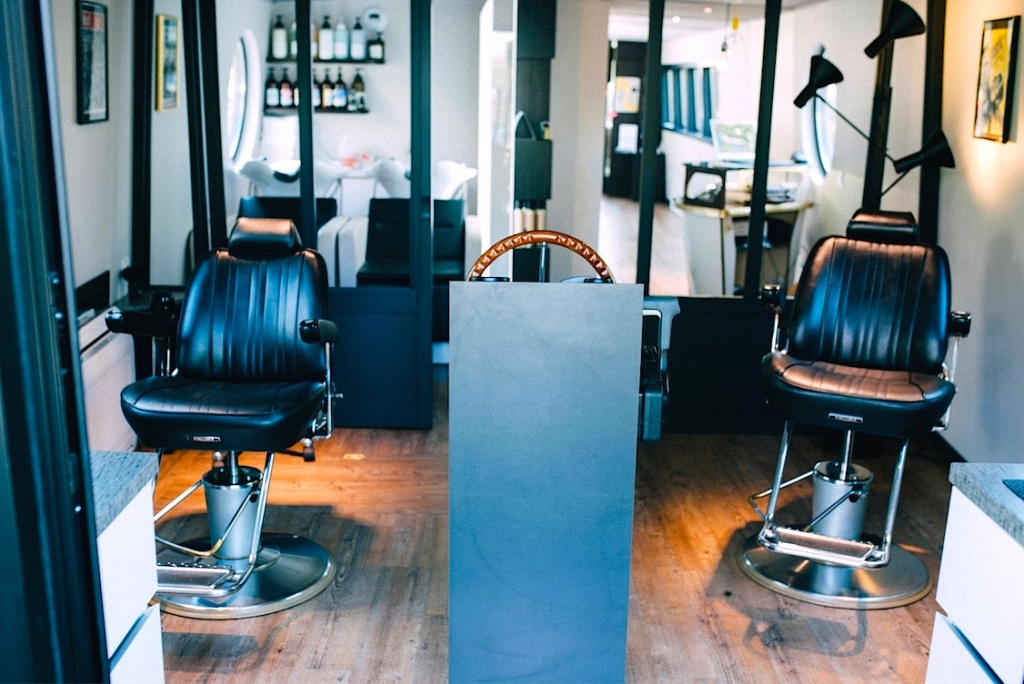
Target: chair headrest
264, 236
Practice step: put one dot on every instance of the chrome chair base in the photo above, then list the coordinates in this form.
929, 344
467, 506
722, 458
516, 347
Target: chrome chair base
289, 570
903, 581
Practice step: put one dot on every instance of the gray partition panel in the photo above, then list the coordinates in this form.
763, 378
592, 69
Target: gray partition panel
544, 385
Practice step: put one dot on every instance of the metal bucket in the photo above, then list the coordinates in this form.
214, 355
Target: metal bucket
223, 499
847, 520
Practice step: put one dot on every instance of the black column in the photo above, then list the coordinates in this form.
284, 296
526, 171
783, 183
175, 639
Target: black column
52, 625
651, 128
874, 169
759, 188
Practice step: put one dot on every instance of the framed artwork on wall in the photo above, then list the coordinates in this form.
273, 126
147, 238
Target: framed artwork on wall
996, 77
166, 62
91, 61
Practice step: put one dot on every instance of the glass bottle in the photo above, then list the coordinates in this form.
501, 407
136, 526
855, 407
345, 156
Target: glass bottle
278, 40
375, 48
357, 99
272, 91
340, 98
293, 42
326, 41
357, 42
316, 92
326, 92
287, 93
340, 40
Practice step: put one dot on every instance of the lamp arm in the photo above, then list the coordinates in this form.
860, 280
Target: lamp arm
849, 123
893, 184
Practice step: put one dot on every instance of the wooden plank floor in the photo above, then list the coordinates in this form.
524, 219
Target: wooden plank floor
377, 500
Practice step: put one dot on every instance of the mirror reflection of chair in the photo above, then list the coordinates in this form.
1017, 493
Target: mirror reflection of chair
253, 374
865, 353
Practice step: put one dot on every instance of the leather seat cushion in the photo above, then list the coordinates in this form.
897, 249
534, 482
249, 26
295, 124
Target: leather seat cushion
891, 403
182, 413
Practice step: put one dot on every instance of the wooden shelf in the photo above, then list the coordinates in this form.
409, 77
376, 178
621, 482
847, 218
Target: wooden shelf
317, 60
292, 111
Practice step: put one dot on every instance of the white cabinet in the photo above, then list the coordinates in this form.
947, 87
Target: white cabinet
952, 658
981, 590
126, 549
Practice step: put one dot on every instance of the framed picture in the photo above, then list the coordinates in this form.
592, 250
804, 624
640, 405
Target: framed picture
996, 77
91, 61
166, 62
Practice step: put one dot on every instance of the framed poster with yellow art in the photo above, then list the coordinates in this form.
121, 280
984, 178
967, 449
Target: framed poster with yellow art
996, 77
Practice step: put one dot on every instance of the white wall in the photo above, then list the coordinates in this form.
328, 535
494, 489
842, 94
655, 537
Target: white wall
981, 205
454, 79
97, 158
171, 198
578, 78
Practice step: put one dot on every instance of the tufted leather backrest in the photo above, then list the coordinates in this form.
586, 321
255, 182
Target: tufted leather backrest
872, 305
243, 305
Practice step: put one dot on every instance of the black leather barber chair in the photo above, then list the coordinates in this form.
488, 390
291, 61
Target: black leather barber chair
253, 374
865, 353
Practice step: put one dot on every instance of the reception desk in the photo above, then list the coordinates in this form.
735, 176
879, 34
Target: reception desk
543, 411
711, 236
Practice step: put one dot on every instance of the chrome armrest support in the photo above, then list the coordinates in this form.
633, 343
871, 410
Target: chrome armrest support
771, 297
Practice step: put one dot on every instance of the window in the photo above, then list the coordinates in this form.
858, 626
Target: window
687, 102
244, 101
818, 133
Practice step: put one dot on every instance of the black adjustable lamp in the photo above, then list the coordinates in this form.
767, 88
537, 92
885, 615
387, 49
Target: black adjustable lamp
936, 152
824, 73
901, 22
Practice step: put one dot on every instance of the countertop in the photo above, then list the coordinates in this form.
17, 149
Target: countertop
982, 483
117, 476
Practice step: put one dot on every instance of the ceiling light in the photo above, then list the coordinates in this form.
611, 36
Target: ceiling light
676, 19
708, 10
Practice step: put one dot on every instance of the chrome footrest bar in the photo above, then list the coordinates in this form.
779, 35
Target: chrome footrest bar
195, 580
818, 547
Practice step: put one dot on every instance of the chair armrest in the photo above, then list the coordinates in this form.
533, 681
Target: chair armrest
959, 323
146, 323
771, 297
319, 331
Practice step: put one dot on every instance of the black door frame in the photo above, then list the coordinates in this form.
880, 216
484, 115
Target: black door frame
52, 627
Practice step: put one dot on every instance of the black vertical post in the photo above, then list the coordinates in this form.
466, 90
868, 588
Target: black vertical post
142, 136
651, 127
931, 120
304, 80
52, 626
874, 169
211, 123
201, 242
759, 188
421, 247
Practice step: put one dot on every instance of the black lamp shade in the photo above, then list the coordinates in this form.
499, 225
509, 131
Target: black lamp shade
823, 73
902, 21
935, 151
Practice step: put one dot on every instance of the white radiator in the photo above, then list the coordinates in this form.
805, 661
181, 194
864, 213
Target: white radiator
108, 365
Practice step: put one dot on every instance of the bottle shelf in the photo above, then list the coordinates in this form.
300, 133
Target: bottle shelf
292, 111
317, 60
